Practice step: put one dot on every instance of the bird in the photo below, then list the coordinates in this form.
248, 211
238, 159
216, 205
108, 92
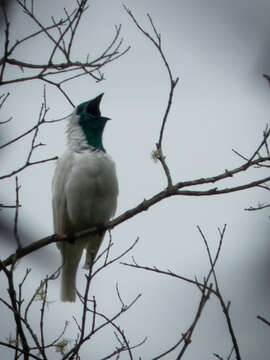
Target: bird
84, 191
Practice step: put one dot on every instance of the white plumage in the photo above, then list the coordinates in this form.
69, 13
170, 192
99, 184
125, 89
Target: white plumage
85, 190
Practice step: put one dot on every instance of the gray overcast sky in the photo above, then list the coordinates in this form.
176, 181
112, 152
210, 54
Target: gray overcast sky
219, 50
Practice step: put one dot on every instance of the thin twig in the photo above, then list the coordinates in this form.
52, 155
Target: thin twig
225, 307
16, 233
267, 322
173, 82
259, 207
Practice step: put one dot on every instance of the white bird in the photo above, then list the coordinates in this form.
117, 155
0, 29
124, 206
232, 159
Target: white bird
84, 190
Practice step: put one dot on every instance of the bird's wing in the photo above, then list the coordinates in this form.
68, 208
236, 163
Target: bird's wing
61, 219
71, 253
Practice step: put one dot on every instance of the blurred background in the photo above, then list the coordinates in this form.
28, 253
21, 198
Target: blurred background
219, 50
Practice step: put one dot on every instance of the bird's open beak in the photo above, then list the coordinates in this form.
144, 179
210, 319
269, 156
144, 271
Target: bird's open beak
97, 100
93, 106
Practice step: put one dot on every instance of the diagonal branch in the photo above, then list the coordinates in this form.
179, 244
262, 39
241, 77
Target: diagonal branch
148, 203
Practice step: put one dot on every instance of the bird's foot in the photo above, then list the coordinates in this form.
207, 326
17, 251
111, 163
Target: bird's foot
71, 237
100, 229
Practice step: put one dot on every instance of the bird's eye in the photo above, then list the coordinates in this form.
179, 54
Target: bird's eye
79, 109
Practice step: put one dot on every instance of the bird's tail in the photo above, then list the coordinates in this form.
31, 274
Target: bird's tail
71, 255
92, 249
68, 286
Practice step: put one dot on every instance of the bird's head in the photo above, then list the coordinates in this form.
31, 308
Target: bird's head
91, 121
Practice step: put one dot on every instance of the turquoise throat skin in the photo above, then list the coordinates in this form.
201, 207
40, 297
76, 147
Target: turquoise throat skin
92, 122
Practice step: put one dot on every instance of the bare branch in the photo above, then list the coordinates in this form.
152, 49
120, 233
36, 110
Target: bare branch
259, 207
3, 99
225, 307
146, 204
67, 29
267, 322
113, 260
16, 234
16, 313
173, 82
12, 173
9, 206
266, 135
107, 321
21, 351
33, 146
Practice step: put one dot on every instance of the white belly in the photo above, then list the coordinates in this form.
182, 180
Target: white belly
88, 183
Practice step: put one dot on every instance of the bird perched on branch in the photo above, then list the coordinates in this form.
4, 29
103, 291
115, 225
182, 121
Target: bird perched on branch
85, 190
